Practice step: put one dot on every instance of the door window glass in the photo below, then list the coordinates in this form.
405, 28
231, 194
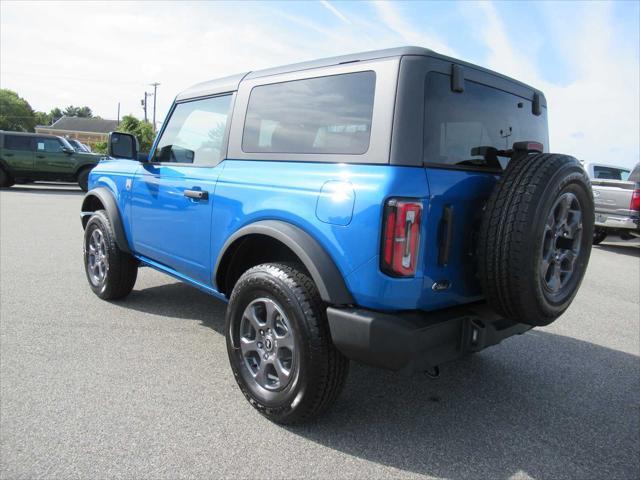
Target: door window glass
49, 145
329, 115
17, 142
195, 132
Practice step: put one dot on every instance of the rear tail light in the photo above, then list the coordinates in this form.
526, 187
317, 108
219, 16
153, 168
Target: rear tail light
635, 200
401, 237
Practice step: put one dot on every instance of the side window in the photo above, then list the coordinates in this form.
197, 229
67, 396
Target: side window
49, 145
330, 115
610, 173
17, 142
195, 132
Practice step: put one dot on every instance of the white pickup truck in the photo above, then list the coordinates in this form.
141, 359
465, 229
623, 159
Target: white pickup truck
617, 206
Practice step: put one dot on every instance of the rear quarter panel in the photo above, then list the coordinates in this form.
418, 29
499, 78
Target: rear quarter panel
249, 191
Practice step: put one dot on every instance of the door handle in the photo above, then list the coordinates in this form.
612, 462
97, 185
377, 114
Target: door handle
197, 194
8, 154
41, 156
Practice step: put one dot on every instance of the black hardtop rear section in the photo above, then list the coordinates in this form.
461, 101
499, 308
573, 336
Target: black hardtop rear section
407, 147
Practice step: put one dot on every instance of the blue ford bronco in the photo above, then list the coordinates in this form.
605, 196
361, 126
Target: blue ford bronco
398, 208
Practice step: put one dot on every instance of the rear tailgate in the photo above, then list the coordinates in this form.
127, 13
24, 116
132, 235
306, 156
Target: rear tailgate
453, 222
612, 197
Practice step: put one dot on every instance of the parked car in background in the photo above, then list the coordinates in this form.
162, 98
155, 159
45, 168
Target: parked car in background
617, 206
36, 157
605, 171
398, 208
78, 146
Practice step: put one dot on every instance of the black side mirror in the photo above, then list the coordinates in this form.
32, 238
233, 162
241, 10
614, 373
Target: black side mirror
68, 151
123, 145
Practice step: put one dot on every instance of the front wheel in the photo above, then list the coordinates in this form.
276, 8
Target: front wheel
110, 271
279, 345
5, 179
83, 179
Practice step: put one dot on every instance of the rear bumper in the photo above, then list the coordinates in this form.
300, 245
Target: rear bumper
609, 220
416, 341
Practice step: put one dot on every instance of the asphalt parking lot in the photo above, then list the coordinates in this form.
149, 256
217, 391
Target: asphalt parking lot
141, 388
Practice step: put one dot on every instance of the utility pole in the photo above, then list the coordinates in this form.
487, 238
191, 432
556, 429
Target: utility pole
118, 112
155, 96
144, 105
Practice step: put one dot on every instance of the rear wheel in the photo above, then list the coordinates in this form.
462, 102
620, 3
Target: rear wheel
111, 272
599, 234
279, 344
536, 238
6, 180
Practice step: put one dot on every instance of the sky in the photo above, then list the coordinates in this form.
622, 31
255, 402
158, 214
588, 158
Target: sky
585, 57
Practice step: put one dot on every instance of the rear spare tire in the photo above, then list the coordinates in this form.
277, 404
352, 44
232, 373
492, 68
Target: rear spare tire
535, 238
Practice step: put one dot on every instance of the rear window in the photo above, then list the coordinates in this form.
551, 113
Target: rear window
481, 116
17, 142
327, 115
610, 173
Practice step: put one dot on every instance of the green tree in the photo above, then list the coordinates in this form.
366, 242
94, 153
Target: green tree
72, 111
15, 112
56, 114
142, 130
43, 118
99, 147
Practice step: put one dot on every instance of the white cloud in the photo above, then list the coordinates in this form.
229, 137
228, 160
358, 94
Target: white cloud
335, 11
99, 54
595, 116
391, 16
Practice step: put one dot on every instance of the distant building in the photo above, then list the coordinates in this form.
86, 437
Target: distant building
86, 130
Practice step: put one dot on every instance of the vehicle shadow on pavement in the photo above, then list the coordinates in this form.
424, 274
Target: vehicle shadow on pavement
540, 404
45, 190
632, 249
543, 404
179, 300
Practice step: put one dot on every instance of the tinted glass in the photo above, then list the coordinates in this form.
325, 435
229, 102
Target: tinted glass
610, 173
330, 115
195, 132
50, 145
480, 116
17, 142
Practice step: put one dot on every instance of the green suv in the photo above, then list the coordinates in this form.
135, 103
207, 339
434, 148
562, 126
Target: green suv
26, 157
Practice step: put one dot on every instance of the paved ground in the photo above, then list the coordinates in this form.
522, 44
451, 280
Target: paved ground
141, 388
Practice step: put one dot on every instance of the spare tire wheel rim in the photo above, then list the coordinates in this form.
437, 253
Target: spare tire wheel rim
267, 344
561, 243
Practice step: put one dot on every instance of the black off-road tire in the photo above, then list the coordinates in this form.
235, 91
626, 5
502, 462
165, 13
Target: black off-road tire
122, 267
83, 178
319, 371
599, 234
6, 180
514, 234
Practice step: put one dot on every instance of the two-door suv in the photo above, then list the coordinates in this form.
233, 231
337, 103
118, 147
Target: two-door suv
27, 157
396, 207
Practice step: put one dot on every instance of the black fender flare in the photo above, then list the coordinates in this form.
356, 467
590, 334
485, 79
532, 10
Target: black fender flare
107, 199
319, 264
